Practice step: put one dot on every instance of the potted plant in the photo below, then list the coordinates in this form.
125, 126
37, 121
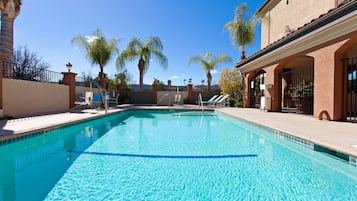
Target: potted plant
301, 93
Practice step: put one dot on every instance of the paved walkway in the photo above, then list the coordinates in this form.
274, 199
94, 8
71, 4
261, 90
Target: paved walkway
339, 136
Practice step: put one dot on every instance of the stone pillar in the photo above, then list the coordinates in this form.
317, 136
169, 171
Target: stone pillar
272, 78
328, 83
102, 81
154, 94
1, 91
190, 93
169, 83
70, 80
247, 77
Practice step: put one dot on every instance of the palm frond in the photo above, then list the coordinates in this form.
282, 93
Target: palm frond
143, 51
221, 59
81, 41
206, 61
135, 43
242, 27
196, 59
126, 55
161, 58
154, 43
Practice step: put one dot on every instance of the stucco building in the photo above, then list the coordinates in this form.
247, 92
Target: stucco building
308, 59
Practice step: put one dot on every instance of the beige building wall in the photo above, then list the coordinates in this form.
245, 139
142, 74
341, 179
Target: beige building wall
282, 17
22, 98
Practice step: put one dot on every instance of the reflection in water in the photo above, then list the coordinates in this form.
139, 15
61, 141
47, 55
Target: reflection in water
31, 167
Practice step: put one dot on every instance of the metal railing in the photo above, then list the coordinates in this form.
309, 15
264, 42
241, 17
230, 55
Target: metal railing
351, 103
15, 71
83, 82
298, 90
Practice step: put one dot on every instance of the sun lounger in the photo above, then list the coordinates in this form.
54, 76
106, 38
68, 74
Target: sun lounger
219, 101
97, 98
82, 98
211, 100
85, 100
113, 100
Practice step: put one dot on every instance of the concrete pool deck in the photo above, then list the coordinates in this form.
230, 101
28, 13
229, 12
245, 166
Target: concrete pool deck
337, 136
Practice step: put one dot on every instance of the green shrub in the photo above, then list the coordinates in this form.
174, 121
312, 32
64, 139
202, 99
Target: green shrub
238, 103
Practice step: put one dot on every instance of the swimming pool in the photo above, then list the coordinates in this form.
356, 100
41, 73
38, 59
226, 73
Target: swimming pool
170, 155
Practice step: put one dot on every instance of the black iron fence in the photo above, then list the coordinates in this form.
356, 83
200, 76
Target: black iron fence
15, 71
351, 103
298, 90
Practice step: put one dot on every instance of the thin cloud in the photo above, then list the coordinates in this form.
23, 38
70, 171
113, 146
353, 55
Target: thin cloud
175, 77
91, 39
214, 72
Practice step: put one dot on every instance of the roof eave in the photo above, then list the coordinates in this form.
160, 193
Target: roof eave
319, 22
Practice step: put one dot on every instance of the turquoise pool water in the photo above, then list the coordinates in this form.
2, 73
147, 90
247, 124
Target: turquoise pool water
162, 155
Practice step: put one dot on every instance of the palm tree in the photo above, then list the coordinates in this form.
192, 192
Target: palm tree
10, 9
208, 63
143, 51
242, 28
98, 50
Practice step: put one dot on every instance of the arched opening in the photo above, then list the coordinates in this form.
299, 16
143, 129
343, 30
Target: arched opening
350, 65
256, 89
297, 85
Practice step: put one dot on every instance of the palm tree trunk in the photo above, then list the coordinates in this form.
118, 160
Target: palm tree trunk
209, 79
102, 80
243, 55
141, 66
7, 38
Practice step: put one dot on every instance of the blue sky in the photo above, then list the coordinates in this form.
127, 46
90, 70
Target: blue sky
186, 28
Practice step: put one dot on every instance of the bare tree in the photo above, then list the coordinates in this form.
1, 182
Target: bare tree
28, 65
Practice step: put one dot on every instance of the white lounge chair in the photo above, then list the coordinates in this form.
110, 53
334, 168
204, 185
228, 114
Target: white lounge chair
220, 101
87, 100
113, 100
213, 98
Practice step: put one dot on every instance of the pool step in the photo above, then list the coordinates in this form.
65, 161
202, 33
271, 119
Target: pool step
353, 161
350, 159
193, 114
297, 140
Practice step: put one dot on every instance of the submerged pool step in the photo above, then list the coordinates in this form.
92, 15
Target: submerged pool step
200, 113
297, 140
353, 161
350, 159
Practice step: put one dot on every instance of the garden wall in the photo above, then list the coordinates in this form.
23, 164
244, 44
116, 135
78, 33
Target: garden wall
23, 98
